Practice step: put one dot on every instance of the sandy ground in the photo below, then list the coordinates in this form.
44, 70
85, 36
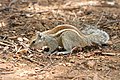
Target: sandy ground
21, 19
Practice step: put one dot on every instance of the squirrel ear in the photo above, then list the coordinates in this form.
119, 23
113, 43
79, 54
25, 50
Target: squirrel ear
39, 34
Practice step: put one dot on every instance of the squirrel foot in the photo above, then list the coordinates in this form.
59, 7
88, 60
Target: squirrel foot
63, 52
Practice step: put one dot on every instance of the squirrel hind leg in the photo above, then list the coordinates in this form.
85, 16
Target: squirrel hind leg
69, 40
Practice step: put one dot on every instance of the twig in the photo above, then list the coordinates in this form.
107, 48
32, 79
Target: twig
6, 43
99, 20
3, 44
109, 54
18, 50
3, 73
29, 59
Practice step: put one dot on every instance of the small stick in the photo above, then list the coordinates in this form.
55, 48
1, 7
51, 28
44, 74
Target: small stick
99, 19
3, 73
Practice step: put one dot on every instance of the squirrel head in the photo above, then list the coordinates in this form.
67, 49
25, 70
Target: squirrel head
38, 41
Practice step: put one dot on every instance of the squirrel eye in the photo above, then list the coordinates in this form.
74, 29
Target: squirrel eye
33, 42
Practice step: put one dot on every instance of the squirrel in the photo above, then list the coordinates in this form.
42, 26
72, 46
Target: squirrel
68, 37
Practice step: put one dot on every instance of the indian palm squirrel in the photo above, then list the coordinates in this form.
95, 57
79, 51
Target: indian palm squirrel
68, 36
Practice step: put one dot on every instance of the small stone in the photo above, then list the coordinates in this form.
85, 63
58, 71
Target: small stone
26, 39
20, 39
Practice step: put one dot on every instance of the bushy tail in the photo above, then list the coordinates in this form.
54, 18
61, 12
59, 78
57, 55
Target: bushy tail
96, 36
